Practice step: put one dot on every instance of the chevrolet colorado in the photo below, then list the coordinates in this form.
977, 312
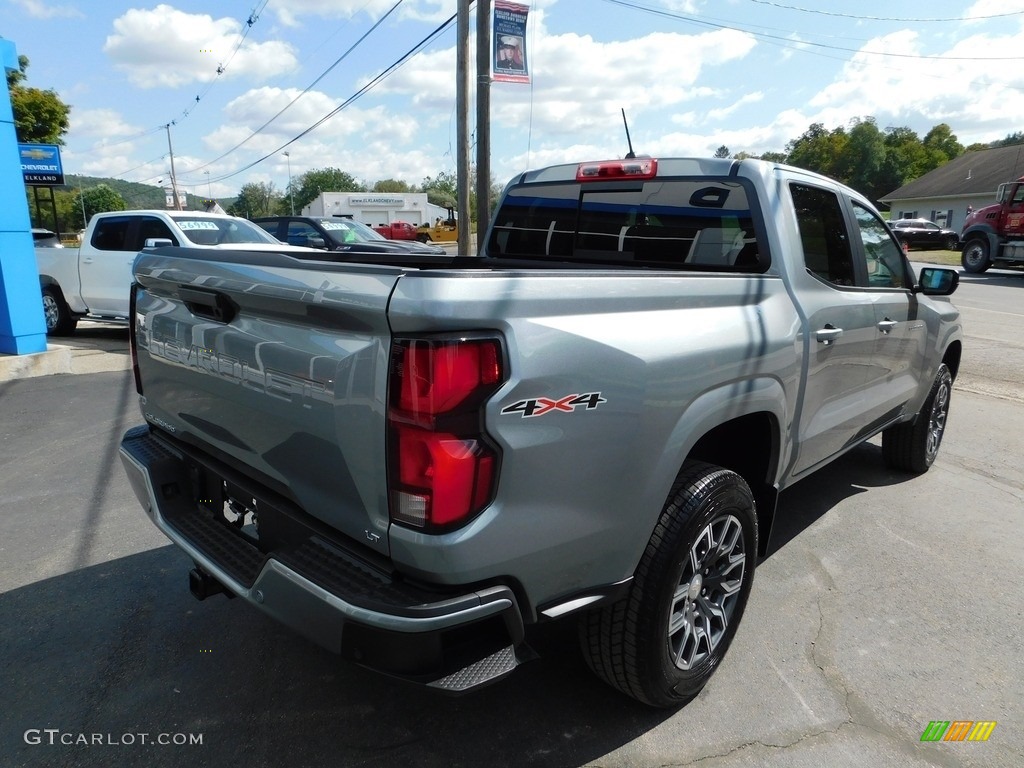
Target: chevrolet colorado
413, 462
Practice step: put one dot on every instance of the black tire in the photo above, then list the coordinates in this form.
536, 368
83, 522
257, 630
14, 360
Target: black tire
59, 320
662, 642
912, 447
423, 237
975, 257
952, 243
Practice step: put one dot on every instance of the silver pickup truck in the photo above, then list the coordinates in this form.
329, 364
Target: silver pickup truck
411, 463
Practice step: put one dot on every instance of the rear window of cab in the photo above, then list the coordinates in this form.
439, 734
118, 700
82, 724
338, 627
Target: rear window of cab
701, 224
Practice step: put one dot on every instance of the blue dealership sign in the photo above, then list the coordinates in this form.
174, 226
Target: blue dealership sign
40, 164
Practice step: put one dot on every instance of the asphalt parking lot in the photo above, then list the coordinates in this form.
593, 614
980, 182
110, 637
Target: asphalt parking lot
886, 602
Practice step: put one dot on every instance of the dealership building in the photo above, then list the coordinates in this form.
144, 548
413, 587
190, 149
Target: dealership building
376, 208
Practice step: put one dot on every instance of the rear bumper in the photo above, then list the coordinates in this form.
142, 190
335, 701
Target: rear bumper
454, 641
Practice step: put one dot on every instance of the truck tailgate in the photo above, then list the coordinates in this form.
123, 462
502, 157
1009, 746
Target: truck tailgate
276, 364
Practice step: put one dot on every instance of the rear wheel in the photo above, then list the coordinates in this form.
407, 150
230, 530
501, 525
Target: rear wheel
662, 642
59, 320
912, 447
952, 243
975, 257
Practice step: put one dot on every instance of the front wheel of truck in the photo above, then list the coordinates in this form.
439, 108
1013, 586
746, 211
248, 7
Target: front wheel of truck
662, 642
913, 446
56, 313
975, 258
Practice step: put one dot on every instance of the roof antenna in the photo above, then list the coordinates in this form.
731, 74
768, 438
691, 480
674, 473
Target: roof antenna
630, 155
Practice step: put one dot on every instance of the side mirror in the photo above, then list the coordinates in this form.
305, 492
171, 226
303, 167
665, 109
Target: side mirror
316, 242
158, 242
935, 281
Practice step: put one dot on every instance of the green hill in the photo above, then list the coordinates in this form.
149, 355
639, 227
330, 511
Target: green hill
135, 195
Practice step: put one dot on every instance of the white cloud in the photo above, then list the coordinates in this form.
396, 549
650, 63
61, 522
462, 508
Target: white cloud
970, 86
724, 112
167, 47
1001, 9
373, 136
41, 10
580, 83
100, 123
418, 10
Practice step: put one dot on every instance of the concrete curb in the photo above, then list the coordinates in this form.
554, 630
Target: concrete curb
56, 359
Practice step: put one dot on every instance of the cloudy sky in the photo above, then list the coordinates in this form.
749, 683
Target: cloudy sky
244, 82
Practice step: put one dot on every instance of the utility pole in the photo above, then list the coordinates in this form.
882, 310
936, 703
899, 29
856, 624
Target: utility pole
483, 117
462, 175
291, 192
174, 183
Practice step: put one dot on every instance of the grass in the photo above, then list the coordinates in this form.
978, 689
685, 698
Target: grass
945, 258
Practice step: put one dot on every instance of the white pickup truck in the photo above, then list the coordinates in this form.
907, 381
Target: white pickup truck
94, 280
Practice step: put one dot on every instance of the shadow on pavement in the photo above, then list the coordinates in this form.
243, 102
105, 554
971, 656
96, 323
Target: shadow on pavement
102, 336
122, 648
802, 504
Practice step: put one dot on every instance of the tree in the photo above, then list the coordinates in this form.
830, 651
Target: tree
256, 199
942, 146
391, 185
905, 159
722, 151
96, 199
818, 150
40, 116
69, 210
309, 185
863, 158
1016, 137
442, 189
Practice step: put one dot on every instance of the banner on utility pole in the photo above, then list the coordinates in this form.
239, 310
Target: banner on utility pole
510, 42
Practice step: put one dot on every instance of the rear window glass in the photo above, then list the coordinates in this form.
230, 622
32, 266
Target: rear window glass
704, 223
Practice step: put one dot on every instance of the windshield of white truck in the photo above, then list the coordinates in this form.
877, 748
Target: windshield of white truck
704, 224
212, 230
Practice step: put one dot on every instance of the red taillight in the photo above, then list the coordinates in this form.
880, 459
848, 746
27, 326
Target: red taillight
441, 467
638, 168
132, 338
436, 377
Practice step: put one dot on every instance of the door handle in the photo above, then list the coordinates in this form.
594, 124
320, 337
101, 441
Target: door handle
828, 334
887, 325
87, 260
213, 305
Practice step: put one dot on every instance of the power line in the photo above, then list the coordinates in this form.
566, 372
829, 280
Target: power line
394, 67
884, 18
252, 19
254, 16
303, 93
786, 42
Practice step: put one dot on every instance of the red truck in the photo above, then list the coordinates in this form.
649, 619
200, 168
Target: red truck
994, 235
397, 230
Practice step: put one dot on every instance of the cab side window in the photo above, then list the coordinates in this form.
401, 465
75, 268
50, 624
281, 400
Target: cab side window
883, 258
151, 227
301, 233
111, 234
823, 235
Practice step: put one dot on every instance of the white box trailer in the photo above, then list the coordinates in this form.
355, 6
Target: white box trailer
372, 208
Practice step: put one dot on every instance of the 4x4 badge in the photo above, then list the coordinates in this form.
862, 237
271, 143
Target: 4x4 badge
539, 406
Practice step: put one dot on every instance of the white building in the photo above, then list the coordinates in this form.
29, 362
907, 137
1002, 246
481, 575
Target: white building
374, 208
